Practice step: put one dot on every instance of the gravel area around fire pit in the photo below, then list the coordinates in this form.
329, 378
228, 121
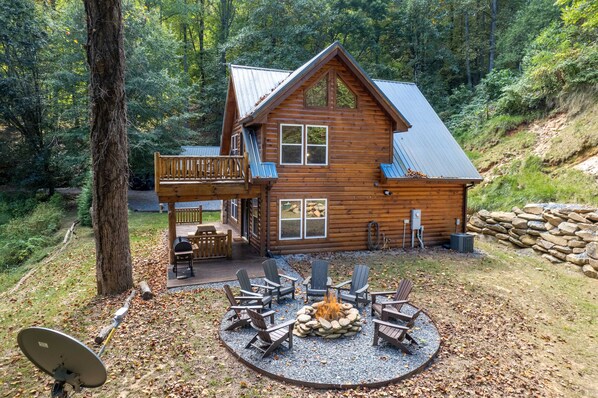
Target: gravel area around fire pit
338, 363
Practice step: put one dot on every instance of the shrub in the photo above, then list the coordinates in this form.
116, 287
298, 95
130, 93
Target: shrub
26, 235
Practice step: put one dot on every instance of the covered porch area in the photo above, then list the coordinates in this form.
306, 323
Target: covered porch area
217, 269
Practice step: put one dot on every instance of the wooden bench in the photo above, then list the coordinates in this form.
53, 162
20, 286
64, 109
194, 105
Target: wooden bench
212, 245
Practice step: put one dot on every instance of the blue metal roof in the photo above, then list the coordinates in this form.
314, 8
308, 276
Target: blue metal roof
259, 170
427, 147
200, 151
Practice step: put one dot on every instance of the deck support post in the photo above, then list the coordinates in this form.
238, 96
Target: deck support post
171, 230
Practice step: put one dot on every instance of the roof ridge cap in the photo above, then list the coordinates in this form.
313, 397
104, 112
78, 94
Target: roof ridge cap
394, 81
260, 68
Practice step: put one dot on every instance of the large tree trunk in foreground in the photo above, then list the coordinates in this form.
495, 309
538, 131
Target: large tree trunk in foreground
109, 145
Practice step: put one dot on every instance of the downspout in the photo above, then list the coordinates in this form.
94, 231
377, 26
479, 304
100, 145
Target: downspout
464, 215
268, 187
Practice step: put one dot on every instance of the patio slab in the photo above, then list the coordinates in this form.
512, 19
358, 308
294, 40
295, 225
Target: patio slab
341, 363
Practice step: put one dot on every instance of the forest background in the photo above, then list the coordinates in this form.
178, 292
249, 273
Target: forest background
487, 67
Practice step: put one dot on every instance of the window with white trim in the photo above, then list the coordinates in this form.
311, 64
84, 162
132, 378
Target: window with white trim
303, 218
290, 225
254, 216
303, 145
234, 209
315, 218
291, 144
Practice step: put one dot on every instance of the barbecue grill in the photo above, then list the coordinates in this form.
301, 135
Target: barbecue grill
183, 252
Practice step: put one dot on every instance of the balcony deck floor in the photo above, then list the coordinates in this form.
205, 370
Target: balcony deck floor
221, 269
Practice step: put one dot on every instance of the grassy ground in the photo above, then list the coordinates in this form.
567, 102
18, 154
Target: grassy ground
511, 325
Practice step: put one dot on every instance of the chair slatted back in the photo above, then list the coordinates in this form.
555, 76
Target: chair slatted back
403, 290
243, 279
258, 322
271, 270
319, 274
231, 297
360, 277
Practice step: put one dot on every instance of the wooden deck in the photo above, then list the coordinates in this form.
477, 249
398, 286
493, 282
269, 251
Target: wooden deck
218, 270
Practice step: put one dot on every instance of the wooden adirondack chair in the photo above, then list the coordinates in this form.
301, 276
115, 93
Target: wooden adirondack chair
318, 283
273, 279
357, 290
251, 289
387, 310
239, 304
394, 334
267, 338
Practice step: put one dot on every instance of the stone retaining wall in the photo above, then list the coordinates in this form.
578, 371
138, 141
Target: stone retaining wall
559, 232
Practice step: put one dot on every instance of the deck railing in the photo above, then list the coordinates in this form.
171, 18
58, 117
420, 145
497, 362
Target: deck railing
212, 245
189, 215
201, 168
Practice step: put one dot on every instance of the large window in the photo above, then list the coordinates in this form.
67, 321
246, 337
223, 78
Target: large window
317, 95
234, 209
303, 218
345, 98
317, 140
295, 149
290, 219
291, 144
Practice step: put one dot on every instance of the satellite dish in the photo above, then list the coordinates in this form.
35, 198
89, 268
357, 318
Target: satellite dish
64, 358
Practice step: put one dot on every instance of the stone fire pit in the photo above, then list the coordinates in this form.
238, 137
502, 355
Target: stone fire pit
328, 319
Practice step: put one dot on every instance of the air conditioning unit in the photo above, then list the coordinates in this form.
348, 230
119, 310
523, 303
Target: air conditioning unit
462, 243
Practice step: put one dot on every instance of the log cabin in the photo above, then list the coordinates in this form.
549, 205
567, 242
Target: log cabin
324, 158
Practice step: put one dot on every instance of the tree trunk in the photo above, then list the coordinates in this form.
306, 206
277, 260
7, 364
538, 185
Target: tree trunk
202, 28
109, 145
467, 62
493, 9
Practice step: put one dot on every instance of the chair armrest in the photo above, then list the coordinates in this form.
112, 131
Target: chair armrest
328, 282
306, 281
281, 325
373, 294
392, 325
291, 278
254, 294
247, 298
363, 289
394, 302
274, 284
244, 307
262, 287
268, 313
342, 284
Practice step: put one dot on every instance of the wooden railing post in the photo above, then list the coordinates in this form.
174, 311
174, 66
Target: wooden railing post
229, 242
157, 172
246, 169
200, 214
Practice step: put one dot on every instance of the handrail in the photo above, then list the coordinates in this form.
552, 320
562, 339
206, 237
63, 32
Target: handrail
201, 168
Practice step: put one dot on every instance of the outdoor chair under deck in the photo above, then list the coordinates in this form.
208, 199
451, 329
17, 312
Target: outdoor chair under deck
273, 279
239, 305
247, 289
318, 283
394, 334
387, 310
357, 292
267, 338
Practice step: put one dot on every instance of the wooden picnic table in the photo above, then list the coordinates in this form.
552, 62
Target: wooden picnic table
203, 230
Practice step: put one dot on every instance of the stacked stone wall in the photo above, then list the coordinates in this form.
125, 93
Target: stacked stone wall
559, 232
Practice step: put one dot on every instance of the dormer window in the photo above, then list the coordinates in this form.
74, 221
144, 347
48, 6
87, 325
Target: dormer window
317, 95
345, 98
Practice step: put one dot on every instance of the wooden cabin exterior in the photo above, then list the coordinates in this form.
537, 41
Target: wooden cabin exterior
311, 157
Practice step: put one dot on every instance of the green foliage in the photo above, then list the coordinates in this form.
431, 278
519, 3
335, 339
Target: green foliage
23, 236
529, 182
84, 202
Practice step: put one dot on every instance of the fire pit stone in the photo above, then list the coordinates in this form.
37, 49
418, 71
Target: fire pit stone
328, 319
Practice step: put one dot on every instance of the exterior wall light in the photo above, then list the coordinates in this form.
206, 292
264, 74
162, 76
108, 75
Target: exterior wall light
387, 192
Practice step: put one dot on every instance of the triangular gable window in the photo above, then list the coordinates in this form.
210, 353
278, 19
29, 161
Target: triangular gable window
345, 98
317, 95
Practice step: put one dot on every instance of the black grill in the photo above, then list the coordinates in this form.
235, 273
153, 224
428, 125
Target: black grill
183, 252
181, 244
